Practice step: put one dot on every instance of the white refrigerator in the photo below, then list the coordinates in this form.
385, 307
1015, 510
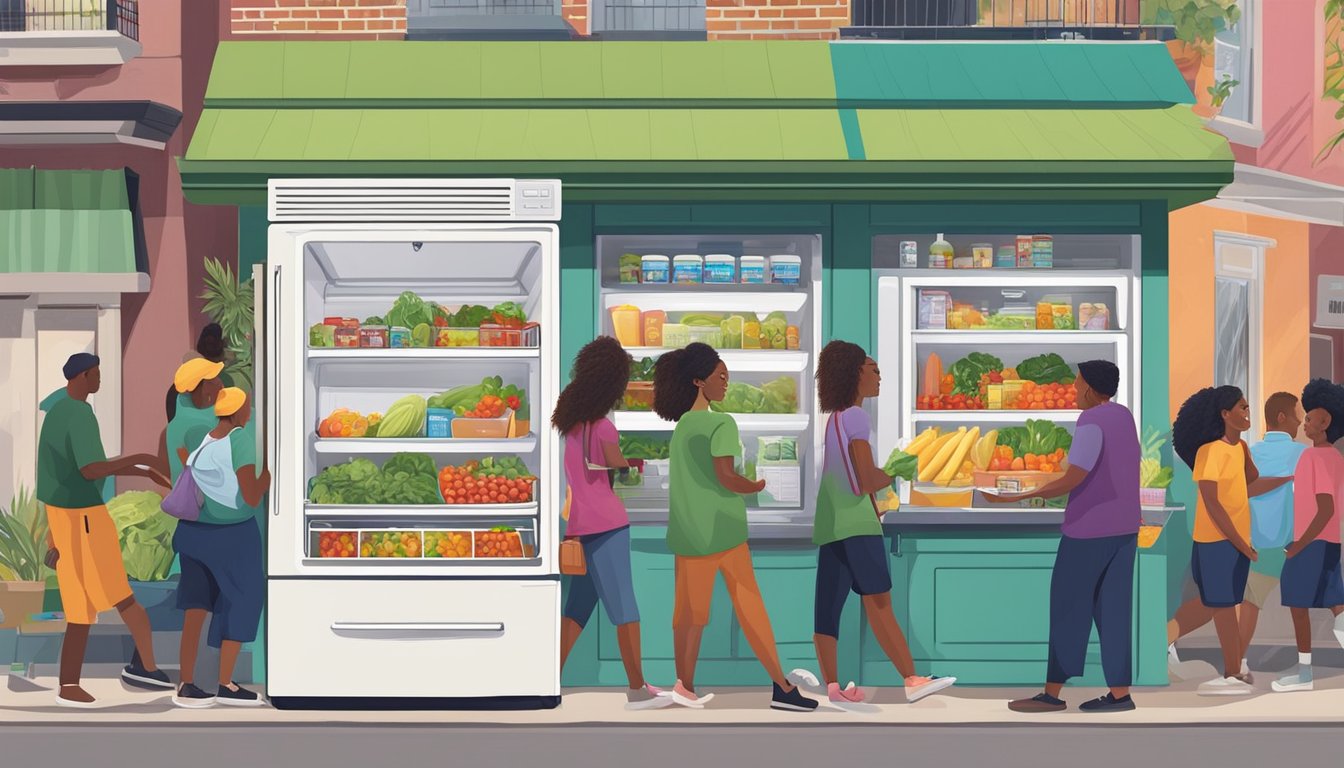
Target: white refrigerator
359, 615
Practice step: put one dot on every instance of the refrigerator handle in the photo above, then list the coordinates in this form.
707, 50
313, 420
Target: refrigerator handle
266, 289
413, 629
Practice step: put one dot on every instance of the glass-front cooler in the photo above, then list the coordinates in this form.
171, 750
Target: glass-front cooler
987, 330
754, 298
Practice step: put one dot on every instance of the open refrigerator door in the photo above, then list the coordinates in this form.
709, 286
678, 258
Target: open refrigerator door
414, 524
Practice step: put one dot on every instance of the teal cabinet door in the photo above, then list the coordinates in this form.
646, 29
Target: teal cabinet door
787, 578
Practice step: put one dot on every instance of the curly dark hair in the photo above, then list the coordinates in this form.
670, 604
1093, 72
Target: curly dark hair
209, 345
1200, 420
838, 370
601, 371
1322, 393
674, 378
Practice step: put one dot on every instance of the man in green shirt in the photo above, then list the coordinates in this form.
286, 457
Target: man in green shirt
82, 538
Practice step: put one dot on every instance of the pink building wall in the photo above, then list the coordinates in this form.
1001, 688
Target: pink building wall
158, 327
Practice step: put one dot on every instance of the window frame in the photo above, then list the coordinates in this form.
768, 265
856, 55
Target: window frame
1250, 134
1255, 279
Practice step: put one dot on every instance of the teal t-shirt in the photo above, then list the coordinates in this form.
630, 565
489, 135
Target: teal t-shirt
704, 518
243, 452
70, 440
188, 428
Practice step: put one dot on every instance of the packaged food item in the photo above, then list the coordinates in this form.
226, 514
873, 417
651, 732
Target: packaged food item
752, 269
676, 335
786, 269
438, 422
982, 256
481, 429
494, 335
688, 269
374, 336
783, 485
1061, 312
1045, 316
1094, 317
1024, 252
1013, 317
730, 332
941, 254
933, 307
399, 337
630, 266
994, 397
457, 337
792, 338
345, 337
909, 254
1012, 388
962, 262
1006, 258
638, 396
751, 334
653, 322
1042, 251
720, 268
933, 375
625, 325
655, 268
705, 334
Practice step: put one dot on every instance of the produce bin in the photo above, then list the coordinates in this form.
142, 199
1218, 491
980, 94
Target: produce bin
502, 336
394, 543
504, 544
448, 544
488, 429
333, 543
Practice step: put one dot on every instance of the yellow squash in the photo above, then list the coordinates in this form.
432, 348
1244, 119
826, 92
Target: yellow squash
919, 443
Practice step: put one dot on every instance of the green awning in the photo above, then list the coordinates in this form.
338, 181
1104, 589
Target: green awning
69, 232
681, 120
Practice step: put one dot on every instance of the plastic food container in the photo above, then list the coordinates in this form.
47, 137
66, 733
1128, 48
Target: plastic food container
688, 269
439, 422
1153, 497
625, 325
448, 544
982, 255
1006, 257
499, 544
390, 544
630, 267
482, 429
654, 268
720, 268
934, 496
1042, 251
374, 336
653, 322
638, 396
933, 306
676, 335
705, 334
786, 269
458, 337
752, 269
336, 544
399, 337
503, 336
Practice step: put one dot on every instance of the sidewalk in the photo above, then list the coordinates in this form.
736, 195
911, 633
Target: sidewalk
25, 701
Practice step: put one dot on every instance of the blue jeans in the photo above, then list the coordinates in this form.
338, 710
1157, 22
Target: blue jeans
1093, 581
222, 572
608, 579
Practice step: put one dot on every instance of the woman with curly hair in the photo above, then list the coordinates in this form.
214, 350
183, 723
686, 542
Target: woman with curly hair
707, 520
1311, 574
597, 518
1207, 437
852, 554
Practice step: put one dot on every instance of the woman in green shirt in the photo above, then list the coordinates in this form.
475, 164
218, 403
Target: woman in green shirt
707, 520
853, 556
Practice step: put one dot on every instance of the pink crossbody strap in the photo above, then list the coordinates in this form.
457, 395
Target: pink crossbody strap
850, 474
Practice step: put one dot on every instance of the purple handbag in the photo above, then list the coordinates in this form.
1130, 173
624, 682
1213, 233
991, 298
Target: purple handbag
185, 500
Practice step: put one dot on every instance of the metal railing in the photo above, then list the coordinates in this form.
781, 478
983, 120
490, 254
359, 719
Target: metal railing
954, 19
121, 16
651, 16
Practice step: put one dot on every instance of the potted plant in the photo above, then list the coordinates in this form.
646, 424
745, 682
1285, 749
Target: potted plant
1196, 23
229, 302
146, 535
1218, 93
1154, 478
23, 550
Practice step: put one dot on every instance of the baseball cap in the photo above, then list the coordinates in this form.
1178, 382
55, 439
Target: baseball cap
191, 373
79, 363
228, 402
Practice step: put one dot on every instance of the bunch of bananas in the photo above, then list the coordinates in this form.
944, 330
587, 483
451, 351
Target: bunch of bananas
952, 458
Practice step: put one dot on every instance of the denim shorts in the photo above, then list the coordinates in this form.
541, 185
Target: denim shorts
608, 579
222, 572
858, 564
1312, 579
1220, 572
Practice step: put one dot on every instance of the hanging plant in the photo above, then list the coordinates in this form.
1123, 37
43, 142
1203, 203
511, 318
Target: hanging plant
1218, 92
228, 301
1334, 69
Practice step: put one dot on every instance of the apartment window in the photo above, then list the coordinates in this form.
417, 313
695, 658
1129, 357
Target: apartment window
649, 19
1238, 321
1234, 56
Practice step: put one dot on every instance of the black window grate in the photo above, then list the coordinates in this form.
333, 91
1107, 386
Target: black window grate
122, 16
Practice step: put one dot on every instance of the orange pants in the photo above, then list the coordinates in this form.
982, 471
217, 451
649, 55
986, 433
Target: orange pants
90, 573
695, 590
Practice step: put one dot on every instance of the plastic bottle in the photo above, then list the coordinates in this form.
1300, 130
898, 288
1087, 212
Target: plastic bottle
940, 254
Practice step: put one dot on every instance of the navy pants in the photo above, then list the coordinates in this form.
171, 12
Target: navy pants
1093, 582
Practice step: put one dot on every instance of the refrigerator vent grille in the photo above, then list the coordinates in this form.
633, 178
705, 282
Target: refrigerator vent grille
412, 200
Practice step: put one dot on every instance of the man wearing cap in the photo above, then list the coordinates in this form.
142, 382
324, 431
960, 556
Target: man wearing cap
1093, 579
197, 384
221, 554
83, 539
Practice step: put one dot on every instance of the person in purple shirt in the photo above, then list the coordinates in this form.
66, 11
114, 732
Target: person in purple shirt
1093, 579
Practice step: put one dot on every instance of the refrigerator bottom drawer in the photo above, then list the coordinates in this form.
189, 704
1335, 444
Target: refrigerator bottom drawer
418, 639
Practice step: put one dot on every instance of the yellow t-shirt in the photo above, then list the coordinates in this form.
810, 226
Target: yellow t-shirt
1225, 465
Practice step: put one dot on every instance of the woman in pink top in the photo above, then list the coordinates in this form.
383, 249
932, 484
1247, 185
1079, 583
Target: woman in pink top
1311, 575
597, 517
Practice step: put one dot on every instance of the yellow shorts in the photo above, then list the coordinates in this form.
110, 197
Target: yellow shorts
90, 572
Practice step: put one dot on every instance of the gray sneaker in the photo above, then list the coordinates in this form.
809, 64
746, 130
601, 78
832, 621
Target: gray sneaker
647, 697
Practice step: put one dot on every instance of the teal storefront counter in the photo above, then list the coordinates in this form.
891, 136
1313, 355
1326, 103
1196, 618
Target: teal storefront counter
972, 596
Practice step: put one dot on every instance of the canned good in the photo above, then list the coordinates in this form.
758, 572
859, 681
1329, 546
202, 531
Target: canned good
688, 269
1042, 251
1006, 258
720, 268
654, 269
982, 256
1024, 251
374, 336
344, 336
786, 269
399, 337
752, 269
909, 254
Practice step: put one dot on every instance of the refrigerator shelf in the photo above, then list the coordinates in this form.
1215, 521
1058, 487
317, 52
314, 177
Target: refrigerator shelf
994, 416
647, 421
482, 511
744, 360
423, 353
434, 446
761, 303
988, 338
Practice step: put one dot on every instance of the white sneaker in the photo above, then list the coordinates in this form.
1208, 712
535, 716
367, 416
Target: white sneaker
1226, 686
1172, 658
647, 697
1290, 684
685, 699
1339, 629
803, 678
928, 689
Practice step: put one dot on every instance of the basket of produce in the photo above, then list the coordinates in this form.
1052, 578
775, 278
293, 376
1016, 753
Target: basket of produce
344, 422
389, 544
335, 544
404, 479
448, 544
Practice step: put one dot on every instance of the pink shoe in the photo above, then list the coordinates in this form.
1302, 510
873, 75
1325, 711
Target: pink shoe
847, 695
683, 696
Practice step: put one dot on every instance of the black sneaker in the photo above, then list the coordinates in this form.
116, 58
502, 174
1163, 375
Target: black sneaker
238, 698
791, 701
190, 697
1108, 703
135, 674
